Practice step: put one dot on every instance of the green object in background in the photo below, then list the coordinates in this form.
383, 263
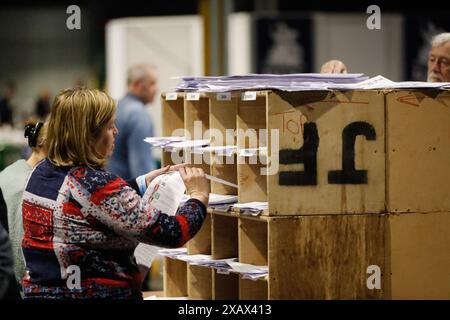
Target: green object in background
8, 155
158, 163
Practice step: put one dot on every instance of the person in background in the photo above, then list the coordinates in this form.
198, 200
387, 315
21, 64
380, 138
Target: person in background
438, 60
12, 184
132, 156
43, 104
8, 285
333, 66
3, 212
81, 229
6, 110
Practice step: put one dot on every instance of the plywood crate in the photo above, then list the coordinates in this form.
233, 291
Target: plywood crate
418, 151
338, 152
175, 278
324, 257
331, 152
351, 191
172, 112
349, 152
417, 256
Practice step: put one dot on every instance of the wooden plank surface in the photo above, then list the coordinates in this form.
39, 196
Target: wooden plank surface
253, 290
418, 255
175, 278
227, 172
325, 257
172, 112
196, 111
201, 242
310, 180
252, 185
224, 236
199, 282
252, 242
418, 145
225, 286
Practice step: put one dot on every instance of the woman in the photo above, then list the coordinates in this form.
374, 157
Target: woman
12, 184
84, 223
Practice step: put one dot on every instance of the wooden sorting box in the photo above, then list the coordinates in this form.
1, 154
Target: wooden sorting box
362, 151
362, 180
319, 257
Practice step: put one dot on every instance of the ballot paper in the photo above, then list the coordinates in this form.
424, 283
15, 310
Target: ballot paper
253, 208
419, 85
377, 82
172, 252
216, 199
247, 268
380, 82
215, 263
188, 144
194, 258
251, 152
298, 82
165, 193
163, 141
285, 82
226, 151
176, 143
249, 271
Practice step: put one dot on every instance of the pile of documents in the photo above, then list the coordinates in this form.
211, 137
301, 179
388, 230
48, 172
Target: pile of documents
252, 208
380, 82
176, 143
223, 266
218, 202
285, 82
172, 253
300, 82
249, 271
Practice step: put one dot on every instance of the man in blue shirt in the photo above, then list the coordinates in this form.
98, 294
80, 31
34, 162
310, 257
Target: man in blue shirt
132, 156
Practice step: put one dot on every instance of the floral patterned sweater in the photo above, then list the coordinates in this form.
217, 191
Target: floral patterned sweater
79, 219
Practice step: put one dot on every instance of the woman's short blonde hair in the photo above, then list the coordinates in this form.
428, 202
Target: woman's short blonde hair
77, 118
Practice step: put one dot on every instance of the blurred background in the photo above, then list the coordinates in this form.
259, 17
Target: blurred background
40, 55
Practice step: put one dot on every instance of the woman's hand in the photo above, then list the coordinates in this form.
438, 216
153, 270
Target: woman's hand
153, 174
196, 183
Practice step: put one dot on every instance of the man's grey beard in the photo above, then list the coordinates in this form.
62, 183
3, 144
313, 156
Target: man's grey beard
433, 77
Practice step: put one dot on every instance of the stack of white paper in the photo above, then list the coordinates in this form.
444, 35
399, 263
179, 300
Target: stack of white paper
186, 144
251, 152
216, 200
226, 151
163, 141
300, 82
218, 263
194, 258
176, 143
253, 208
172, 252
249, 271
285, 82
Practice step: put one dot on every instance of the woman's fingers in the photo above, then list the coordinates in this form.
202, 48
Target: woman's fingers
175, 167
